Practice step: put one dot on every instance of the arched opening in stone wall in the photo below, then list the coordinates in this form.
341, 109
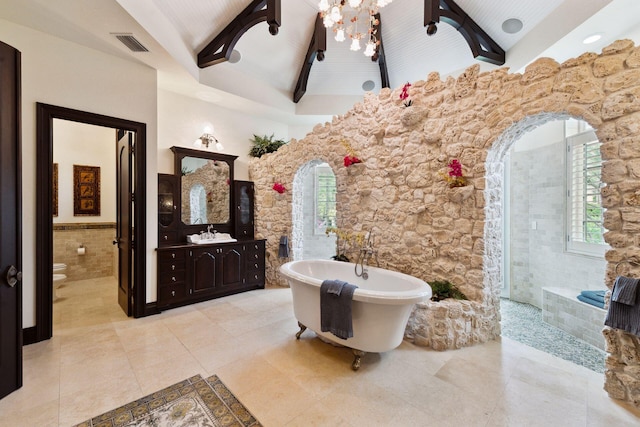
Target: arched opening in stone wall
313, 210
529, 187
198, 204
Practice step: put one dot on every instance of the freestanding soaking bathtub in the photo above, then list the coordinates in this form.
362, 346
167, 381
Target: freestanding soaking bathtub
381, 305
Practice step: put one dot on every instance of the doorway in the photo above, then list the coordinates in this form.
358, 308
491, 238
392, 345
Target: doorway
45, 114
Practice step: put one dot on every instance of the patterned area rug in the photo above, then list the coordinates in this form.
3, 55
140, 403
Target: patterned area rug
192, 402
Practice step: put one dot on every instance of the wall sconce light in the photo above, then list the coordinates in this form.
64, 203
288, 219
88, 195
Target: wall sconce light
208, 139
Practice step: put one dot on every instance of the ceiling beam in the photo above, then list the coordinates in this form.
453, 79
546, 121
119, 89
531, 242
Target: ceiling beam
317, 47
379, 55
220, 48
483, 47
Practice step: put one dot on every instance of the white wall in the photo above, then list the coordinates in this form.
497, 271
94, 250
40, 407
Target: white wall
69, 75
181, 120
61, 73
86, 145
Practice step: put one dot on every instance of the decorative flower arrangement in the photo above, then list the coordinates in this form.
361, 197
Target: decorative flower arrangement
347, 237
404, 95
351, 158
454, 176
278, 187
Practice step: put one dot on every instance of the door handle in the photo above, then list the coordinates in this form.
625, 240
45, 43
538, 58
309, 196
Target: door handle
116, 242
13, 276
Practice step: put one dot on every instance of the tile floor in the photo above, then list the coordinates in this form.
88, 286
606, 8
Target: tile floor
98, 359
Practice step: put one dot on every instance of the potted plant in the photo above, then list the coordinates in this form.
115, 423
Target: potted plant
442, 289
264, 144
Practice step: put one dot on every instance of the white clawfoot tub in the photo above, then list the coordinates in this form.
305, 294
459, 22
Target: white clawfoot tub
380, 309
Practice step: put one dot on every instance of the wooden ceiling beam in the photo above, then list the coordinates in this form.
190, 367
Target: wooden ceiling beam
317, 47
483, 47
220, 48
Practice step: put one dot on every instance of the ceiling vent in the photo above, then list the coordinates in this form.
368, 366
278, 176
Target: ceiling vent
131, 42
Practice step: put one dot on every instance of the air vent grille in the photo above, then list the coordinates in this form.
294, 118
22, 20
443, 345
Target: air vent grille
131, 42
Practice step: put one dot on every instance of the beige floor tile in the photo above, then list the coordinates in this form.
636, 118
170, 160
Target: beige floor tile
83, 405
277, 401
99, 359
168, 372
317, 415
40, 415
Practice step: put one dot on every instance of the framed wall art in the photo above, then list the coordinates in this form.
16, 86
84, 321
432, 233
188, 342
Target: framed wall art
86, 190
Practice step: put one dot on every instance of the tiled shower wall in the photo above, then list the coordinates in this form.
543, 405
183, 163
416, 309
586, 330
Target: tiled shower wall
538, 256
100, 258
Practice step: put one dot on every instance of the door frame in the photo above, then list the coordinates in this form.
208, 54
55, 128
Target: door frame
45, 114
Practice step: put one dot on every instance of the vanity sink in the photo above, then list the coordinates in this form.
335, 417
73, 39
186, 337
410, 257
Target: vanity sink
219, 238
212, 241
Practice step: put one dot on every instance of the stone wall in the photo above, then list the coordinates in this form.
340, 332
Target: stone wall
428, 230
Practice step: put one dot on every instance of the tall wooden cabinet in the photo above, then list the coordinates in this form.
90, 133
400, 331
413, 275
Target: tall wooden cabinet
168, 212
243, 196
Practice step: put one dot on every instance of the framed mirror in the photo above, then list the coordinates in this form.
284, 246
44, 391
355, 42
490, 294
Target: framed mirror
205, 186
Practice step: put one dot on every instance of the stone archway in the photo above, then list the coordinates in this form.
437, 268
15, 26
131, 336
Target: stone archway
301, 227
433, 232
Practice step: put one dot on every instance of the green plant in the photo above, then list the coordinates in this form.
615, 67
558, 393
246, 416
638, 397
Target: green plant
441, 289
264, 144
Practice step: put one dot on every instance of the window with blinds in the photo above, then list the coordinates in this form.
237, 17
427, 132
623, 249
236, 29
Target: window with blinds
584, 205
325, 200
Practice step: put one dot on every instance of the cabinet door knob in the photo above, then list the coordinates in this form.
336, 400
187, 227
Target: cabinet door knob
255, 265
173, 266
173, 256
173, 278
165, 237
173, 293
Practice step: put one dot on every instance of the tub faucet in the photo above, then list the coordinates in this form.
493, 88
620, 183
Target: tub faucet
366, 253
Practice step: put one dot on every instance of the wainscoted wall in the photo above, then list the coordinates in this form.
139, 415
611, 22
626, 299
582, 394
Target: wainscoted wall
100, 258
428, 230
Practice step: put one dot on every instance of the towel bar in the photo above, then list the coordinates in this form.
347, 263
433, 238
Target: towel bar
627, 261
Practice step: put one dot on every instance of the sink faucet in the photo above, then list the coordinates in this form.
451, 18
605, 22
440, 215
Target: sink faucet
210, 235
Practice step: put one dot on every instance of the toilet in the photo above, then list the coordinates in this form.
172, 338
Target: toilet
58, 277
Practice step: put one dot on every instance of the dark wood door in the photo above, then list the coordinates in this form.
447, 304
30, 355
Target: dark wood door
124, 215
10, 223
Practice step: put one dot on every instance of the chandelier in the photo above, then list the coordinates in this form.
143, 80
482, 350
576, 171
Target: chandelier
343, 17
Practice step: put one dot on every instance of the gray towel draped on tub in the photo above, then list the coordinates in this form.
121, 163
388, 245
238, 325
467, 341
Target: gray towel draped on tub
283, 248
335, 308
624, 308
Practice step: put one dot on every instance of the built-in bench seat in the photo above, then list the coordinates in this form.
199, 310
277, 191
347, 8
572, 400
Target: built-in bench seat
561, 308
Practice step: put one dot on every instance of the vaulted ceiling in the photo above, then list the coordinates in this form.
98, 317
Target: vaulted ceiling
264, 78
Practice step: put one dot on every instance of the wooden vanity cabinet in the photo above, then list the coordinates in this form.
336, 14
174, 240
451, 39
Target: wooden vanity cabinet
193, 273
201, 194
